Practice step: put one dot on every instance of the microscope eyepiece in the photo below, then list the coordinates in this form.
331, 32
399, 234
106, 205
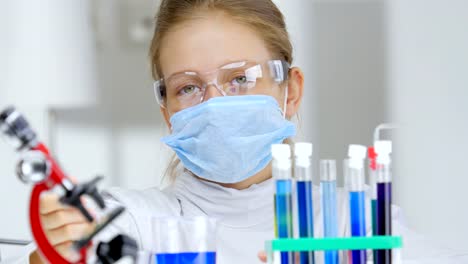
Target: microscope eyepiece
16, 129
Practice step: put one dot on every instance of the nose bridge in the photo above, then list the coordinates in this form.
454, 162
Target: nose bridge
212, 88
211, 91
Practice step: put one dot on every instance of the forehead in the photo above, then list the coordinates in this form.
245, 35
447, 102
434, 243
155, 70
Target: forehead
207, 42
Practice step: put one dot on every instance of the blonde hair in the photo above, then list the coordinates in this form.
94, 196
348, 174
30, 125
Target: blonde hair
263, 16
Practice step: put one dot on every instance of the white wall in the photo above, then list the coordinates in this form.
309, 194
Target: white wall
428, 62
39, 70
124, 130
350, 74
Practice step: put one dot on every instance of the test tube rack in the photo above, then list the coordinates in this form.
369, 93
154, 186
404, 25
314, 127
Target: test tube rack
340, 244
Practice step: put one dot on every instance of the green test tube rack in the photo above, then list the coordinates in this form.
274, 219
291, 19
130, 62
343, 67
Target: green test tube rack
339, 244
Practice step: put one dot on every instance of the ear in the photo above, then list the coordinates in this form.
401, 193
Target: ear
295, 91
165, 114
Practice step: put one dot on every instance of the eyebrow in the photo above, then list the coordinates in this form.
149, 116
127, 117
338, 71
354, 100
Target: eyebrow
222, 66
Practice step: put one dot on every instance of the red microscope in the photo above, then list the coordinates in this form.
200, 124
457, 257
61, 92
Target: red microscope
37, 167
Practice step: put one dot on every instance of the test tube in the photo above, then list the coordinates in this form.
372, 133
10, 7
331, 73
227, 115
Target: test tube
372, 161
282, 174
303, 176
384, 197
356, 185
330, 213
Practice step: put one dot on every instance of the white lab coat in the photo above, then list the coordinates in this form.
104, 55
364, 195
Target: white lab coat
245, 219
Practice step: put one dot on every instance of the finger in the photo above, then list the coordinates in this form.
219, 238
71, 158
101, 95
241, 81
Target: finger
67, 251
73, 179
49, 202
68, 233
60, 218
262, 256
36, 257
88, 207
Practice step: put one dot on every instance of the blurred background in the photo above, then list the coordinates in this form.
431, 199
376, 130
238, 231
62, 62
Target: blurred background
80, 72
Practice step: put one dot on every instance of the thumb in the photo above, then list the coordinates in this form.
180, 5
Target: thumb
262, 256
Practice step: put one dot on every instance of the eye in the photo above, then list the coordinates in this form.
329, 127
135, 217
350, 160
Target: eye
240, 80
188, 90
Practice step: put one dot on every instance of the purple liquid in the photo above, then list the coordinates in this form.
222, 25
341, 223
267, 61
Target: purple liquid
384, 219
374, 224
186, 258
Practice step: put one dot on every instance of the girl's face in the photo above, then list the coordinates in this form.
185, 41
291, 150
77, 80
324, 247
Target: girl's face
212, 40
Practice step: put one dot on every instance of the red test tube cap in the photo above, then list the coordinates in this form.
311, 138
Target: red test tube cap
372, 155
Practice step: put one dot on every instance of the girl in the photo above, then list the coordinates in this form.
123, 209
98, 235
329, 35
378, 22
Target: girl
226, 91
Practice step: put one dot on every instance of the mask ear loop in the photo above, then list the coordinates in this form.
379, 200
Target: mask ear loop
285, 102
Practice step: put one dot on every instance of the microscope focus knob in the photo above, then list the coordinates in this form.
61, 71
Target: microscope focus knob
33, 167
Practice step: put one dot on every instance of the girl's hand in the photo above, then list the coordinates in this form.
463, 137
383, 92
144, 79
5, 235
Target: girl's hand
263, 258
62, 225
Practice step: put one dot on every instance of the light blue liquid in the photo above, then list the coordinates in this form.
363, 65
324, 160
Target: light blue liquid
284, 215
306, 217
186, 258
330, 217
358, 223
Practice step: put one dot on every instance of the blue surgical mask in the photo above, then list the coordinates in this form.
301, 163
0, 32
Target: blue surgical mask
228, 139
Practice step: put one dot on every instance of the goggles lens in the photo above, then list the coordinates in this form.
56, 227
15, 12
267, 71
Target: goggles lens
186, 89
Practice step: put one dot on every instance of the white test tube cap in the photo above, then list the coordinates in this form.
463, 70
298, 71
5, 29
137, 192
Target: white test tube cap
357, 154
303, 152
303, 149
383, 148
281, 151
357, 151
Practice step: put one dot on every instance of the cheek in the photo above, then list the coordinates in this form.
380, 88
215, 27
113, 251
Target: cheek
279, 93
276, 91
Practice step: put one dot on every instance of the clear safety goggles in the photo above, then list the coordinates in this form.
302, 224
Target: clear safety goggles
186, 89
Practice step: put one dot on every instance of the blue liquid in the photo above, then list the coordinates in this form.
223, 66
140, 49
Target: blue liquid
374, 217
306, 217
330, 222
186, 258
384, 219
358, 223
284, 215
